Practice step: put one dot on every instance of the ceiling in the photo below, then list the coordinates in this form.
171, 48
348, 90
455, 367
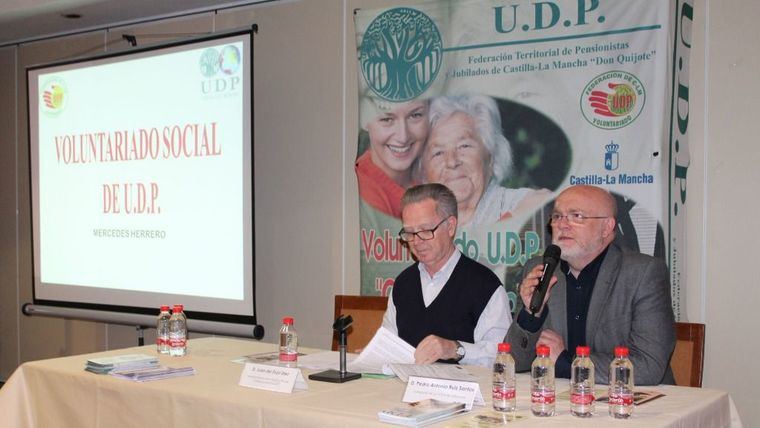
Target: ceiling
27, 20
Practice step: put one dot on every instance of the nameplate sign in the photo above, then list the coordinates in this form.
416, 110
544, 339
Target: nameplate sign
452, 391
272, 378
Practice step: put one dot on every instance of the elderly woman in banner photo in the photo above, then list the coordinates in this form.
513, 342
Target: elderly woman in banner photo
467, 151
397, 134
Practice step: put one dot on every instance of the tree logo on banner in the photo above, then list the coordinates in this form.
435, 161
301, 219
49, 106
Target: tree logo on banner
401, 54
613, 100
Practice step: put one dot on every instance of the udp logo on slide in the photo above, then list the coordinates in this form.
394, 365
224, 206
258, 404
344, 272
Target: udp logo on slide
54, 97
220, 67
401, 54
613, 100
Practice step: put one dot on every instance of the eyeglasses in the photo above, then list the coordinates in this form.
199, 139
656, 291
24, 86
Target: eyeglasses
424, 235
572, 218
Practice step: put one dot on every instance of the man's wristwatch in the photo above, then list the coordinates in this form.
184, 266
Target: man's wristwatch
460, 352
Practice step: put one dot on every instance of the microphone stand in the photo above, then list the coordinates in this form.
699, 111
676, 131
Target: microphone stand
342, 351
339, 376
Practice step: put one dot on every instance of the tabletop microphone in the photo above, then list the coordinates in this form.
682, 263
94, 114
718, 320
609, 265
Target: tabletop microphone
551, 259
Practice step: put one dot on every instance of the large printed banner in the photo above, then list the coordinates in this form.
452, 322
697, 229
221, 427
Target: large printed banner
509, 102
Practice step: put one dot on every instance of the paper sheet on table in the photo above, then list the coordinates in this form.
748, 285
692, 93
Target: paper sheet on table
437, 371
384, 348
323, 360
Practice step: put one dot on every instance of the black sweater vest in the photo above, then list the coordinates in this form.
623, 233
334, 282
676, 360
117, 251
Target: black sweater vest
455, 311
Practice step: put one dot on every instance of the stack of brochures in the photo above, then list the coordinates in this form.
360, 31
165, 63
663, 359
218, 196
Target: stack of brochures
153, 373
121, 362
420, 413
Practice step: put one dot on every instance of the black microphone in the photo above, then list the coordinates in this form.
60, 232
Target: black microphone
551, 260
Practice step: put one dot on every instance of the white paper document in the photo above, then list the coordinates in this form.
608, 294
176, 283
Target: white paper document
323, 360
384, 348
439, 371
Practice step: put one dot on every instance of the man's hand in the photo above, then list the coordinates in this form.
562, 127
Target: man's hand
529, 284
554, 341
434, 348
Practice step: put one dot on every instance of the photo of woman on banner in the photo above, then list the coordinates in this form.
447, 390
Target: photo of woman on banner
396, 135
467, 152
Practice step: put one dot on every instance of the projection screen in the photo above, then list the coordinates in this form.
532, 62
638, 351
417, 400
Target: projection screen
142, 181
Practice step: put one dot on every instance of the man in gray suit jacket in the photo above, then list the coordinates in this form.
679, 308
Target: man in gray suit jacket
601, 296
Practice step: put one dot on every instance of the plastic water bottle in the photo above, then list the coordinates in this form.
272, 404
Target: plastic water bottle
177, 332
542, 392
582, 384
162, 330
621, 384
288, 343
504, 380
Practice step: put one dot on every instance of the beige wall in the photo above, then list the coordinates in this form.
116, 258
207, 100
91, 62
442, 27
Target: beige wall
730, 157
306, 115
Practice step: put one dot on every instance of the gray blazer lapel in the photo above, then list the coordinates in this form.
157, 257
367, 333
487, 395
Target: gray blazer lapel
605, 280
558, 305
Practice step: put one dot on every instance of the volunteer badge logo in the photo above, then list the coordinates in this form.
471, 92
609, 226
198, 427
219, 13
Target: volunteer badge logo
400, 54
613, 100
54, 97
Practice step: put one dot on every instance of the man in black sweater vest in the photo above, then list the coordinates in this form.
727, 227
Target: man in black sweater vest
449, 307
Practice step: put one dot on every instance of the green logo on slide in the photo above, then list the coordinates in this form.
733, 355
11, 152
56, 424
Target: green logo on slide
401, 54
209, 62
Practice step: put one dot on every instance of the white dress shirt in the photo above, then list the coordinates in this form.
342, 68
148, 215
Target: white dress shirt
492, 325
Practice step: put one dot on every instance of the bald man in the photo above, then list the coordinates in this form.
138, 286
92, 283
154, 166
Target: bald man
600, 295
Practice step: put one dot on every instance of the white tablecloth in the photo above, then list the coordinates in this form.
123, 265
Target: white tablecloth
59, 393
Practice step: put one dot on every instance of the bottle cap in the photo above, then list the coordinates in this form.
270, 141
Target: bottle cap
165, 308
504, 347
287, 320
621, 351
178, 308
542, 351
582, 351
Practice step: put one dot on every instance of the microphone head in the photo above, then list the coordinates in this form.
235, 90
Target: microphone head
552, 252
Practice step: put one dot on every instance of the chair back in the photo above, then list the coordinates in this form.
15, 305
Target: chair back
688, 357
367, 312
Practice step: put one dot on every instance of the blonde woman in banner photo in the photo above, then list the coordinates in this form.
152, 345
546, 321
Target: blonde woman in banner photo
395, 136
467, 152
